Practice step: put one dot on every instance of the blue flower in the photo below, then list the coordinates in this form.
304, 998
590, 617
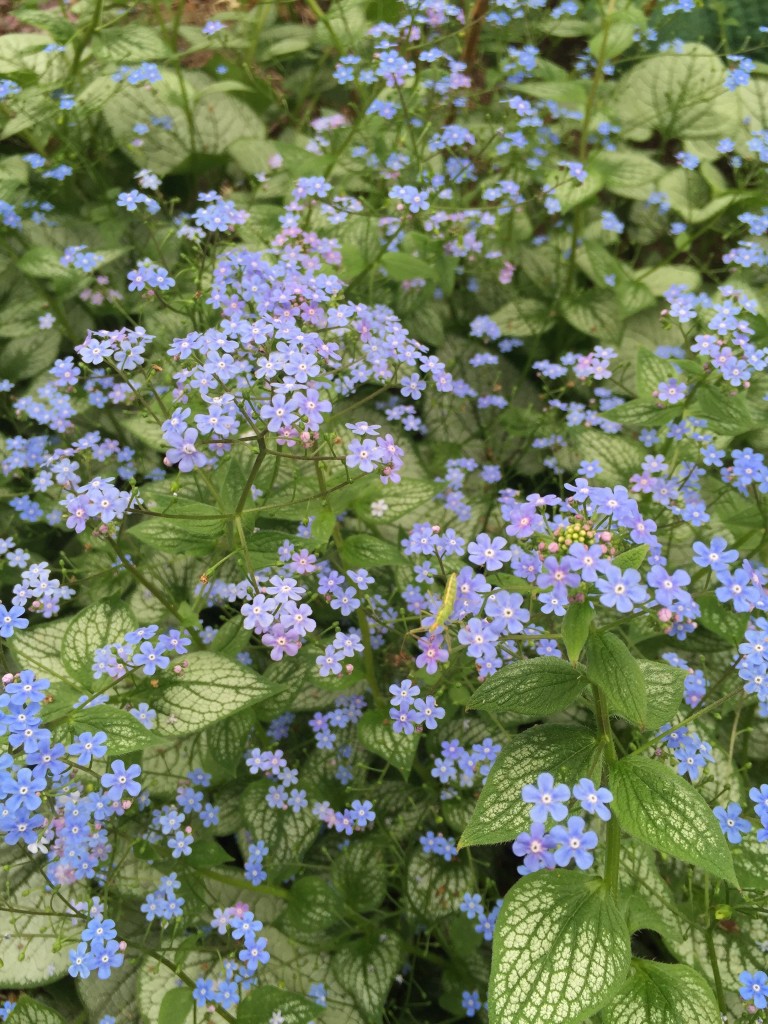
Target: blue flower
593, 800
575, 844
732, 825
621, 590
119, 780
547, 798
11, 619
754, 988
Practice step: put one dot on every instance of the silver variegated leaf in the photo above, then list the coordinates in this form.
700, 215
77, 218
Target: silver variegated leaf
663, 994
560, 950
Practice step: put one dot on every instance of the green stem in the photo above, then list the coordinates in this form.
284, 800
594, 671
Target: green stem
613, 832
712, 954
81, 44
257, 462
156, 591
362, 621
655, 740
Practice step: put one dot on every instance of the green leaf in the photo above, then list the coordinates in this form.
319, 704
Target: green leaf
649, 900
38, 933
560, 950
721, 620
366, 970
402, 266
680, 94
261, 1005
726, 414
595, 313
227, 739
571, 193
155, 981
30, 1011
536, 686
39, 649
619, 456
209, 689
219, 120
376, 734
650, 371
611, 667
751, 863
100, 996
124, 732
42, 262
402, 501
629, 174
434, 887
207, 853
359, 874
287, 835
176, 1004
313, 907
524, 317
663, 689
633, 558
26, 356
617, 37
639, 414
360, 549
575, 628
101, 624
663, 994
654, 804
195, 532
567, 752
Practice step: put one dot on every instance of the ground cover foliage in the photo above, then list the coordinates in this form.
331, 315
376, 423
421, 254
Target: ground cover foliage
384, 512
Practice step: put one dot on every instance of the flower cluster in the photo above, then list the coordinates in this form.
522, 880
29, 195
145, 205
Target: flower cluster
563, 843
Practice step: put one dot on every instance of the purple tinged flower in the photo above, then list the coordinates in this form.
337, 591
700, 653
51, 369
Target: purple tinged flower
535, 848
404, 692
547, 798
575, 844
587, 561
479, 638
672, 391
593, 800
487, 553
428, 712
363, 455
668, 587
506, 612
282, 641
404, 719
183, 452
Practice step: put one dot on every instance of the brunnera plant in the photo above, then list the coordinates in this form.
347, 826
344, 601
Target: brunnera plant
383, 619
